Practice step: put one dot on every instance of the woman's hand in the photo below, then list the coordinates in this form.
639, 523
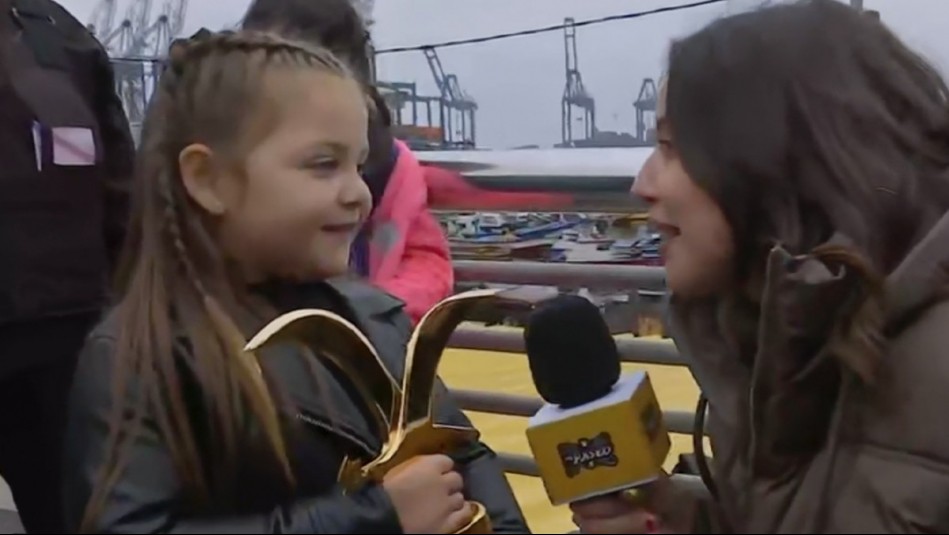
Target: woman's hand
652, 510
616, 513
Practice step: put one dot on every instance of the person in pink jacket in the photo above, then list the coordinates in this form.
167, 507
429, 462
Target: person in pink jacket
403, 249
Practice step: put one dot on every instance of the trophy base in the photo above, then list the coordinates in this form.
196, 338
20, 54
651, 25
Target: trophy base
480, 523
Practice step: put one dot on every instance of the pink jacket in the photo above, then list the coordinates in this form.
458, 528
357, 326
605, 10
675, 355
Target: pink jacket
409, 255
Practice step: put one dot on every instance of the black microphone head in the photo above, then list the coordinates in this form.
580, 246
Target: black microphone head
572, 355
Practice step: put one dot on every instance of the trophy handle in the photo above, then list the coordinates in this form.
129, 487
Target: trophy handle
424, 352
332, 337
480, 523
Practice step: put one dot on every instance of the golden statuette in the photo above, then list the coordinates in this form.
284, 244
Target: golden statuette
402, 413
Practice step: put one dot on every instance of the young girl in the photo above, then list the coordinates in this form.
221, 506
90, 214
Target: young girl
801, 184
247, 197
403, 249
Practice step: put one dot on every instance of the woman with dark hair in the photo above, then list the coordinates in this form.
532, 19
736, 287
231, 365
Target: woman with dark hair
801, 184
402, 249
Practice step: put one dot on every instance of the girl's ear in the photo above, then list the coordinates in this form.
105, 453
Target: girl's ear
201, 179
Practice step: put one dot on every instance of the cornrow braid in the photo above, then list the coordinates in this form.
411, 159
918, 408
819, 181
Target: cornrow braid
208, 58
190, 53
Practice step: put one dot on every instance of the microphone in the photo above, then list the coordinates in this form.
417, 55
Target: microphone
599, 432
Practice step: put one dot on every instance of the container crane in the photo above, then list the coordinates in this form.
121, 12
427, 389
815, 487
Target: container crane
118, 40
139, 62
154, 39
425, 122
458, 108
102, 18
645, 105
413, 119
574, 94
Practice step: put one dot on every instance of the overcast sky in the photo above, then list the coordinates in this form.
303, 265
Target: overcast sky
518, 83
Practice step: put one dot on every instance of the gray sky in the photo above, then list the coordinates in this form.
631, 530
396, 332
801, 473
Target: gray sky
518, 82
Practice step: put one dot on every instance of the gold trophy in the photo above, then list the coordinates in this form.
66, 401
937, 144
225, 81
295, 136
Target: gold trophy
403, 416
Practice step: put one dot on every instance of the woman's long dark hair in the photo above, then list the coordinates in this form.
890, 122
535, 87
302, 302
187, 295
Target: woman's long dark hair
808, 119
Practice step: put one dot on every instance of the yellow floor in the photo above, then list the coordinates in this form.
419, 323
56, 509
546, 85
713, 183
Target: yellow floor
508, 373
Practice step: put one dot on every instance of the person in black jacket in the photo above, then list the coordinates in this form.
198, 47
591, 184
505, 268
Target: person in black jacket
238, 217
66, 154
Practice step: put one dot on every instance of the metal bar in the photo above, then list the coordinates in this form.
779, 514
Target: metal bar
624, 277
681, 422
524, 465
512, 341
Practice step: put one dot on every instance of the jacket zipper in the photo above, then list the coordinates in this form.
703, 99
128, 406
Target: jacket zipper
338, 431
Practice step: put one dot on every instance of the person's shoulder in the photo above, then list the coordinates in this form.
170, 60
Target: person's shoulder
364, 296
58, 13
95, 365
920, 351
76, 33
912, 388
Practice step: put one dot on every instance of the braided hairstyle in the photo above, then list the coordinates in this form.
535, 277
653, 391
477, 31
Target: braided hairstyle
338, 26
179, 295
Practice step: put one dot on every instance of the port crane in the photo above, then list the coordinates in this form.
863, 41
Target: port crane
443, 122
458, 108
578, 105
102, 18
645, 105
154, 39
118, 39
575, 94
137, 45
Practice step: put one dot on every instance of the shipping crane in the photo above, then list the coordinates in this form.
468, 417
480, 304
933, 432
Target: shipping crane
417, 119
137, 47
645, 105
153, 40
574, 94
102, 18
458, 108
118, 40
577, 98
